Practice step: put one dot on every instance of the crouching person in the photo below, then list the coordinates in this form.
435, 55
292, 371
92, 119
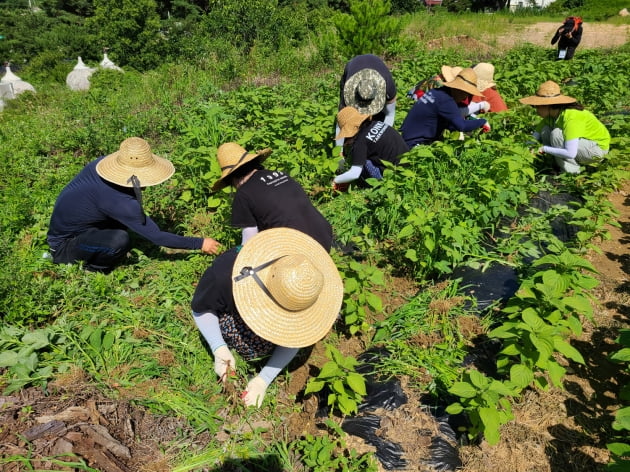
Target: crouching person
278, 293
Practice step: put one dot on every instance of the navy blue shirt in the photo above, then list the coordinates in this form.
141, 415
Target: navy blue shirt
433, 113
89, 201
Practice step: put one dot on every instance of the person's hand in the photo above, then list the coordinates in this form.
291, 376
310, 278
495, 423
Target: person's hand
340, 187
210, 246
486, 128
224, 363
540, 150
255, 393
485, 106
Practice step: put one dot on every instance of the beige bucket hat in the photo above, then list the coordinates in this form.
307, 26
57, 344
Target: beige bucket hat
231, 156
286, 287
366, 91
449, 73
349, 120
466, 80
485, 75
547, 94
134, 158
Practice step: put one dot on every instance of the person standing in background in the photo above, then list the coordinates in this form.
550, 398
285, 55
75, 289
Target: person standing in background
568, 37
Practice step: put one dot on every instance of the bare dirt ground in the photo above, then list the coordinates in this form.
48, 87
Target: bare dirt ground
595, 35
554, 431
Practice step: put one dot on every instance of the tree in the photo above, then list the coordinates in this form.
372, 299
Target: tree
368, 27
131, 29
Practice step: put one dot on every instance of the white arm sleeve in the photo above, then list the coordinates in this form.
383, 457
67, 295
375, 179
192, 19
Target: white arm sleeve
390, 113
569, 151
248, 233
474, 107
349, 176
279, 359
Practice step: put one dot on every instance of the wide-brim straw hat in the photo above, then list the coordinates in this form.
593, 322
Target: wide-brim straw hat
466, 81
286, 287
366, 91
449, 73
485, 75
231, 156
349, 120
547, 94
134, 157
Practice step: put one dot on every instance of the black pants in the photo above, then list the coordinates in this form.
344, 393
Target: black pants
100, 249
570, 53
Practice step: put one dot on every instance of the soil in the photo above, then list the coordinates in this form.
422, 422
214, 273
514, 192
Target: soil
553, 431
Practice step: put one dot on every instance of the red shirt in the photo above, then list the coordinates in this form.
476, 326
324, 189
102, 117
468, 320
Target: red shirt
491, 96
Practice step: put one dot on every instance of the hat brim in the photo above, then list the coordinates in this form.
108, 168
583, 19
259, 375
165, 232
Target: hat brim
351, 98
262, 314
351, 129
459, 84
484, 84
449, 73
110, 169
536, 100
222, 182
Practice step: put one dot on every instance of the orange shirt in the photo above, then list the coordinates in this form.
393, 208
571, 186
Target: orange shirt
491, 96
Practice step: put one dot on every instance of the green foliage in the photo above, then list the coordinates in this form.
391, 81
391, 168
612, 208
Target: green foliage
20, 355
620, 449
359, 281
132, 29
346, 386
326, 453
486, 401
367, 28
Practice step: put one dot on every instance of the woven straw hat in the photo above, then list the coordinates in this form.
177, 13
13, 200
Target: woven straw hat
485, 75
349, 120
135, 158
231, 156
449, 73
466, 81
547, 94
366, 91
286, 287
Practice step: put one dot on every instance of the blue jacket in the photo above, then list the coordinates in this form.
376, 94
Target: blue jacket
433, 113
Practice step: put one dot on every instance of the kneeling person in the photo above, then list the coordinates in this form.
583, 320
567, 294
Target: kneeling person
279, 292
367, 144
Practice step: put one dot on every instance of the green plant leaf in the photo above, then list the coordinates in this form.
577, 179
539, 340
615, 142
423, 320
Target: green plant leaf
521, 375
8, 358
357, 383
463, 390
567, 350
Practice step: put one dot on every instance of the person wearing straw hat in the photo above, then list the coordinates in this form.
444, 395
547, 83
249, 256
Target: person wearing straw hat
369, 144
568, 132
267, 198
367, 84
467, 107
437, 111
487, 86
93, 213
278, 293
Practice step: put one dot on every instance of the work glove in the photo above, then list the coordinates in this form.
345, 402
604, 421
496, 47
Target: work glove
224, 362
485, 106
255, 393
340, 187
486, 128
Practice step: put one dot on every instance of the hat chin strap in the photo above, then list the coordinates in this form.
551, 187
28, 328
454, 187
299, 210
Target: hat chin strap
252, 271
135, 181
